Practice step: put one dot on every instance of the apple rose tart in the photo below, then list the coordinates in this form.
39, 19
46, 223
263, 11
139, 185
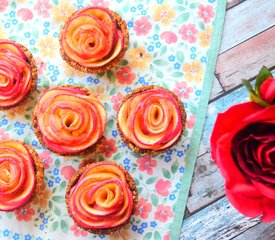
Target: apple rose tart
151, 119
18, 73
69, 120
101, 197
93, 39
21, 174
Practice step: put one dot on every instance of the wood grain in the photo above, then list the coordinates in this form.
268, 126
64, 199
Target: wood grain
207, 185
262, 231
216, 89
232, 3
218, 221
245, 60
246, 20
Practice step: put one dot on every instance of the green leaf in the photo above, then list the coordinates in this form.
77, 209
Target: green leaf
159, 73
62, 186
151, 180
13, 38
135, 44
253, 95
113, 91
123, 62
180, 56
57, 211
183, 17
117, 156
110, 124
107, 107
111, 76
194, 5
139, 190
46, 83
155, 200
201, 26
55, 2
175, 166
28, 116
177, 74
99, 75
157, 236
20, 26
64, 226
58, 199
57, 163
262, 76
152, 68
50, 204
163, 50
35, 33
193, 108
160, 62
166, 173
9, 214
180, 8
165, 85
148, 236
180, 1
54, 226
157, 28
13, 4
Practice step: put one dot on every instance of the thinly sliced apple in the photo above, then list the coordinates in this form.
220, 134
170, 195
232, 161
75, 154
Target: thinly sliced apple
11, 46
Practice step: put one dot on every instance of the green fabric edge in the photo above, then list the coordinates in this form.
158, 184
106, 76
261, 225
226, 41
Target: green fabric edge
197, 131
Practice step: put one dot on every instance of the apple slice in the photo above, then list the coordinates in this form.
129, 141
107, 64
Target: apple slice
12, 47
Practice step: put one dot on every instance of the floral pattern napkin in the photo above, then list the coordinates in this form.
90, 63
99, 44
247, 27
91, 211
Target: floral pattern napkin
170, 44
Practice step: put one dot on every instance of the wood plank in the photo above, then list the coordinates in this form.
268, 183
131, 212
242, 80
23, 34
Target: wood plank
207, 183
262, 231
245, 20
232, 3
245, 60
216, 89
218, 221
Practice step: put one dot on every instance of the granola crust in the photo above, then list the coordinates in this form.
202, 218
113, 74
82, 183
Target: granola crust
31, 61
121, 24
39, 136
131, 145
133, 189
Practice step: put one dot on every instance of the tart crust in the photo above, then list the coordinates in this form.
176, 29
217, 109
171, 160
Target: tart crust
39, 136
131, 145
132, 186
121, 24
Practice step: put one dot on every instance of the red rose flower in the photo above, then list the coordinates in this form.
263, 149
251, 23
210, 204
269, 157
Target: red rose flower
243, 147
108, 147
267, 90
24, 214
143, 209
125, 75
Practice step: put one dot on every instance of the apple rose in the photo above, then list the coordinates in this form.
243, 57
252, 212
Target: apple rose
92, 38
151, 118
69, 120
101, 197
17, 72
17, 174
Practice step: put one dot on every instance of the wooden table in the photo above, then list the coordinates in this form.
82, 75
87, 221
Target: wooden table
248, 43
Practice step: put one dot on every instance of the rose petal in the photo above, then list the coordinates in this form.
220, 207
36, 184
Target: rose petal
251, 207
268, 210
264, 189
267, 90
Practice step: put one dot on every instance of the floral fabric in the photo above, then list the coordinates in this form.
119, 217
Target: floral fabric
169, 43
